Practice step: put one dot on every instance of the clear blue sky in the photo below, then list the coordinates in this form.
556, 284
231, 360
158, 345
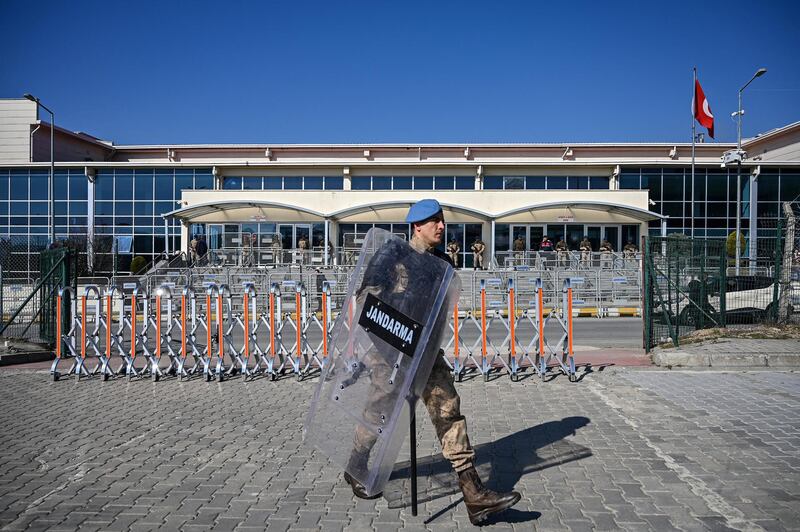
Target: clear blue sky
307, 72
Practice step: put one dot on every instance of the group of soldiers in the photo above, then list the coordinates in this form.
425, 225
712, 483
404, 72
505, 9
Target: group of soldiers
478, 247
198, 249
585, 247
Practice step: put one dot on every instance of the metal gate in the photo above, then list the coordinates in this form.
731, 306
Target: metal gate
32, 305
684, 289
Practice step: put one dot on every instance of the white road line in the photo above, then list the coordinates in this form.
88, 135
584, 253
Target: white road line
734, 518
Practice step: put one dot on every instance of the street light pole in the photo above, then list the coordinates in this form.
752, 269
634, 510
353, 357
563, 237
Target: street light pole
51, 182
760, 72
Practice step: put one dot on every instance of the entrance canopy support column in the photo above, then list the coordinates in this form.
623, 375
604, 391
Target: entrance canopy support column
491, 255
166, 236
325, 243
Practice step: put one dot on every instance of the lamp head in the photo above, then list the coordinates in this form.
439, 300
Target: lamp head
31, 97
761, 72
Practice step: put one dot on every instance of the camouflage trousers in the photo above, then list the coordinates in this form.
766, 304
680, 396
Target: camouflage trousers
441, 400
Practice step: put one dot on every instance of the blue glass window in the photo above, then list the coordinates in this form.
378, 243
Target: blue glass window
163, 207
232, 183
312, 183
514, 183
78, 186
3, 185
465, 182
578, 182
78, 207
61, 185
493, 182
673, 187
19, 184
143, 208
293, 183
557, 182
252, 183
598, 183
334, 182
381, 183
273, 183
39, 186
535, 182
103, 208
123, 208
143, 185
203, 181
423, 183
164, 180
360, 182
790, 186
403, 182
445, 182
123, 186
629, 181
38, 208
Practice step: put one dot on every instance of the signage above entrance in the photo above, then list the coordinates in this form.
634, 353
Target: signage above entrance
565, 219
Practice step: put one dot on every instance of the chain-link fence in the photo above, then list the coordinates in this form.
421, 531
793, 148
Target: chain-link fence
27, 306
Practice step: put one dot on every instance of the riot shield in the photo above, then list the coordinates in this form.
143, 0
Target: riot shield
383, 346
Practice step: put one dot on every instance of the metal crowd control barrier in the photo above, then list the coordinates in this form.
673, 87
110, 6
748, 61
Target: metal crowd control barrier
219, 334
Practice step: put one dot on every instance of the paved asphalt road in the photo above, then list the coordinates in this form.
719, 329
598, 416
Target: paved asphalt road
622, 449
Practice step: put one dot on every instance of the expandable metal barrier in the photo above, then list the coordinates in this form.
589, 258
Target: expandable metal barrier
274, 342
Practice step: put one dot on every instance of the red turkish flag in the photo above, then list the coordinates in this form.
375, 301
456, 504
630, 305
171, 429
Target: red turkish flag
701, 109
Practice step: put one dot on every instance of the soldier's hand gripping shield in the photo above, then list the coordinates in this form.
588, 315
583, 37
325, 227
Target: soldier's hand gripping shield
383, 346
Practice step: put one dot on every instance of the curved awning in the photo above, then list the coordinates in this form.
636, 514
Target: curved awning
642, 215
192, 212
405, 204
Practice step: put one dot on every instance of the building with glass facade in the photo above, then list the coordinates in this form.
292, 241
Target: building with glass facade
148, 199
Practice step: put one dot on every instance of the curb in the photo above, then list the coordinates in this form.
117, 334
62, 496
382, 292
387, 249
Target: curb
26, 358
679, 358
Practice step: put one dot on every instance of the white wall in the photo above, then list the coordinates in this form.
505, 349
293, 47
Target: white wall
16, 117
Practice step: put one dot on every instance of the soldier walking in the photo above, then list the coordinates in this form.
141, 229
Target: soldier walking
440, 397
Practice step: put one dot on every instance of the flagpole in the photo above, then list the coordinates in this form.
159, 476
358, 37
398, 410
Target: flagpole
694, 106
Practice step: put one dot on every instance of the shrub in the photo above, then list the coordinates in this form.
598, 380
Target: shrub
138, 264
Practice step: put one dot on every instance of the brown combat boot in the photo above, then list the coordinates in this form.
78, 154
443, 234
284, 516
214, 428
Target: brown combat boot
358, 463
482, 502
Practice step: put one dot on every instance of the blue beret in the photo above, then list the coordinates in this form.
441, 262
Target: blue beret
422, 210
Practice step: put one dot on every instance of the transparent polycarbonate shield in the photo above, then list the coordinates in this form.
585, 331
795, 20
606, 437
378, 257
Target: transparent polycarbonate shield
383, 346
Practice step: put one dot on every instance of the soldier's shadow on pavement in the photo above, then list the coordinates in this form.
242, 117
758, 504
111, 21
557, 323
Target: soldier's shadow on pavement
500, 464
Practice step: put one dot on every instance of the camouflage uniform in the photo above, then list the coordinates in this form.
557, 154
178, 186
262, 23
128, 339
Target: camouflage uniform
477, 254
439, 395
452, 251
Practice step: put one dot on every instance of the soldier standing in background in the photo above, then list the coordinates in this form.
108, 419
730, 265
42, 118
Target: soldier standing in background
477, 253
277, 249
562, 250
519, 250
453, 249
586, 252
193, 250
302, 244
629, 253
606, 254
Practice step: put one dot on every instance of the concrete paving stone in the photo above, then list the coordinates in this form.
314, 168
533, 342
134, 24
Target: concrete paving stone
742, 442
279, 523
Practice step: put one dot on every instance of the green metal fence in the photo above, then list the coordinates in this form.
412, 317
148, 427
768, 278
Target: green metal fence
695, 283
29, 304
